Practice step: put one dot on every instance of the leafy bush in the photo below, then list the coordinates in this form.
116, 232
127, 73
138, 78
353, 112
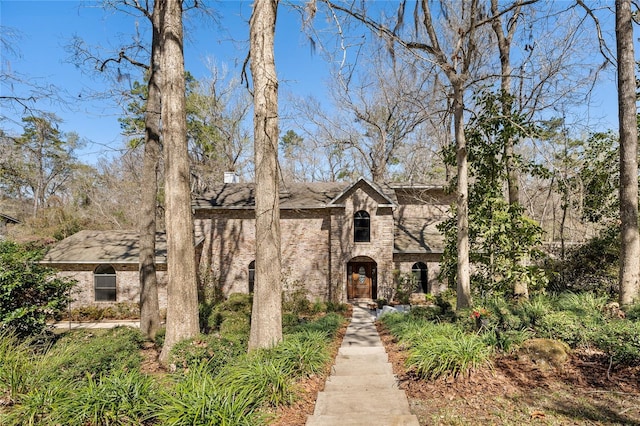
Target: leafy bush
328, 324
620, 340
29, 292
633, 312
119, 311
213, 351
585, 304
567, 327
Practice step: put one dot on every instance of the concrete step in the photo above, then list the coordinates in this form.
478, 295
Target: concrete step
369, 404
361, 350
361, 369
363, 420
381, 357
360, 383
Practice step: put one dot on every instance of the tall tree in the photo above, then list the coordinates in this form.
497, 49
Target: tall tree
627, 115
40, 162
149, 304
266, 315
182, 294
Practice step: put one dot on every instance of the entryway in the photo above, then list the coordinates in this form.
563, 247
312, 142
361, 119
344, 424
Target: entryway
362, 277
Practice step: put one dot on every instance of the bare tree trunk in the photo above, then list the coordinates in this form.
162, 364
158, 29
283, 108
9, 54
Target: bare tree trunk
182, 294
463, 289
266, 316
629, 240
149, 305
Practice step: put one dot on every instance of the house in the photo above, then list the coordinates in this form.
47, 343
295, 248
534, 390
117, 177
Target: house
4, 221
340, 242
105, 265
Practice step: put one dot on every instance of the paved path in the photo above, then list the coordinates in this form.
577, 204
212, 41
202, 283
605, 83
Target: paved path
74, 325
361, 389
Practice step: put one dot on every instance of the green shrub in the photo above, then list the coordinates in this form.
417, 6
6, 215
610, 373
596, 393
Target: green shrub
328, 324
585, 304
506, 341
36, 406
29, 292
568, 327
213, 351
448, 355
620, 340
532, 311
430, 313
633, 312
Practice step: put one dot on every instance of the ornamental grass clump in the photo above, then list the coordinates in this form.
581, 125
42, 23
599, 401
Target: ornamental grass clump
115, 398
304, 353
443, 355
199, 398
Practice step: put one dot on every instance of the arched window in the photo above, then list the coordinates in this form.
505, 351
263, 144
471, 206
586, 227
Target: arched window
420, 275
252, 275
104, 283
361, 227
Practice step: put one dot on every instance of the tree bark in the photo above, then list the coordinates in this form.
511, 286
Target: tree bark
149, 305
182, 295
629, 240
266, 316
463, 289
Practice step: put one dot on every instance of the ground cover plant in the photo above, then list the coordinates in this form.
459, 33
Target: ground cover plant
598, 382
99, 377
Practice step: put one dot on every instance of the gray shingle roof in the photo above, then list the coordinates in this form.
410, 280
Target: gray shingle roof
103, 247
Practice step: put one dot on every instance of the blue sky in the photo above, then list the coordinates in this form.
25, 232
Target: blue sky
45, 28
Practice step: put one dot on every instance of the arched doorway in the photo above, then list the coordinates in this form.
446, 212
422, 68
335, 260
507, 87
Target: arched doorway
362, 278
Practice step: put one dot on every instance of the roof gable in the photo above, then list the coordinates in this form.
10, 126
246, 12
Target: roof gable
376, 191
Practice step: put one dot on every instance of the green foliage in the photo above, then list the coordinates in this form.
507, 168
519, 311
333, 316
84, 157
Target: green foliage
599, 178
29, 292
304, 353
199, 398
269, 380
591, 267
328, 324
15, 365
81, 353
620, 340
633, 312
294, 299
568, 327
118, 397
405, 284
440, 355
211, 350
501, 237
118, 311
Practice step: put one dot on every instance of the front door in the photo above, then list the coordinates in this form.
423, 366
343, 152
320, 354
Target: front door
360, 280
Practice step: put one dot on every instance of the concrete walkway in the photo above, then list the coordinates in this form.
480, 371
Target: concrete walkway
361, 389
74, 325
